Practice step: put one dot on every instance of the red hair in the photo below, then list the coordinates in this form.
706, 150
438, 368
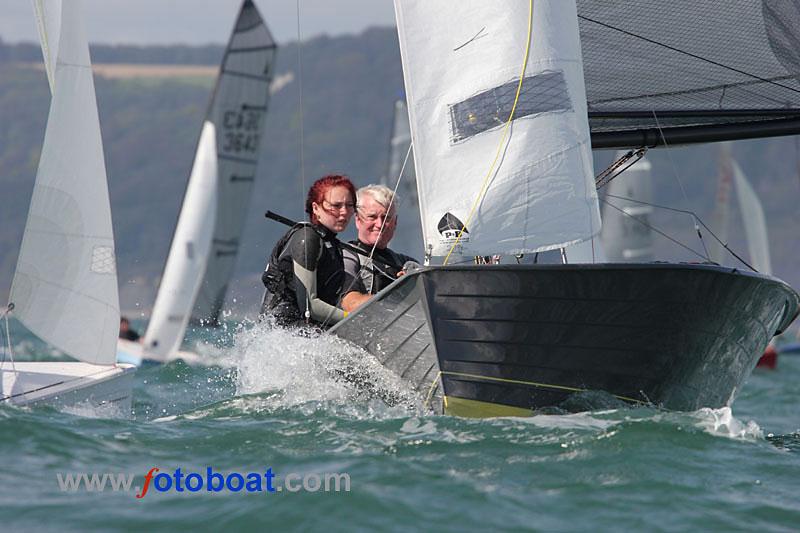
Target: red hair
320, 187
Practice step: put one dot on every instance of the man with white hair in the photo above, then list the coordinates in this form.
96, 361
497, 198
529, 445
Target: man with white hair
376, 222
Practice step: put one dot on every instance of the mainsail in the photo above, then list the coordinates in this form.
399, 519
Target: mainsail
206, 240
65, 284
626, 231
461, 82
685, 71
237, 109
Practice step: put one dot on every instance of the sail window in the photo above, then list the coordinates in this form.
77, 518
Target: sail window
545, 92
103, 260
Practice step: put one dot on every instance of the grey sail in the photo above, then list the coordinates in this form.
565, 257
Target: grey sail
685, 71
237, 109
409, 232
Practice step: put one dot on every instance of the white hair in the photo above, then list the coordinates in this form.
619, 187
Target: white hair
381, 194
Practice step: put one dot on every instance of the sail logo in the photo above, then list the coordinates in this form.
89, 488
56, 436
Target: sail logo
450, 227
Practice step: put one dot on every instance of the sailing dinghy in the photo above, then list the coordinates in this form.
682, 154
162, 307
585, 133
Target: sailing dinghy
498, 112
65, 284
205, 244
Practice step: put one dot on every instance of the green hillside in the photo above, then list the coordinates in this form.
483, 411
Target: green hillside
150, 127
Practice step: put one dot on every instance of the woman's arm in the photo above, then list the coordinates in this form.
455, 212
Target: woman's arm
306, 248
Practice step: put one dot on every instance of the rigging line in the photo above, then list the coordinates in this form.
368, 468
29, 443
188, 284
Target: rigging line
708, 229
302, 143
503, 143
680, 182
695, 56
653, 228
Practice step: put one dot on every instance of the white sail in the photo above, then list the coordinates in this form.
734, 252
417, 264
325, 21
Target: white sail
461, 79
755, 223
626, 231
48, 23
721, 216
65, 284
188, 255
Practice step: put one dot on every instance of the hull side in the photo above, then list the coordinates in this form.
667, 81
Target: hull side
68, 384
532, 336
395, 328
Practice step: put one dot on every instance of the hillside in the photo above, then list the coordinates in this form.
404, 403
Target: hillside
150, 125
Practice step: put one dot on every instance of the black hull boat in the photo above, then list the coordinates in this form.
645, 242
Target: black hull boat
508, 340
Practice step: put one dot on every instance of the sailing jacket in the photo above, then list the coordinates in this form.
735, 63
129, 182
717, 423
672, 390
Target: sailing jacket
304, 275
364, 276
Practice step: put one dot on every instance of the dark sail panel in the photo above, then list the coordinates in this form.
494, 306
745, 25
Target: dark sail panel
690, 71
237, 109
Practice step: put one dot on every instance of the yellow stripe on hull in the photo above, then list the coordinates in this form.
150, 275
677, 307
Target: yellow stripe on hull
476, 409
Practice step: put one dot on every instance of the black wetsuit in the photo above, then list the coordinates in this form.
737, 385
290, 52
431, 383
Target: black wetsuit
372, 278
305, 273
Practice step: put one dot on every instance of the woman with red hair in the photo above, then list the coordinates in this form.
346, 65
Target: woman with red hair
305, 272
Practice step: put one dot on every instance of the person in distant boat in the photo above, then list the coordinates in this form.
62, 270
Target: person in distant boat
376, 222
305, 272
126, 331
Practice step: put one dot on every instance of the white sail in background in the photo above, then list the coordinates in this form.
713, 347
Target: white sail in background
188, 255
721, 216
626, 231
461, 68
65, 285
755, 223
752, 213
48, 23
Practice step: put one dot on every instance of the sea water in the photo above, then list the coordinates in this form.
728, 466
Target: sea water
269, 399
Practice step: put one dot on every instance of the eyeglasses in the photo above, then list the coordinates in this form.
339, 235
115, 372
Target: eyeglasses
374, 217
338, 206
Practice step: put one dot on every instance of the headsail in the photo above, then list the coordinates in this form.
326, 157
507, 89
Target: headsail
65, 284
237, 109
188, 255
48, 23
461, 79
689, 71
626, 232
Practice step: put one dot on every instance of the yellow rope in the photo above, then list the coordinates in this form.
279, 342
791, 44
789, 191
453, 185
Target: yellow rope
485, 185
520, 382
430, 392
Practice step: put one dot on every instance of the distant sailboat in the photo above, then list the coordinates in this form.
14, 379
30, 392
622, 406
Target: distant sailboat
408, 230
65, 284
498, 111
206, 240
752, 213
626, 233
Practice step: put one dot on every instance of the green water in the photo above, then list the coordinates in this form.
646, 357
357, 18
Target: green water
268, 401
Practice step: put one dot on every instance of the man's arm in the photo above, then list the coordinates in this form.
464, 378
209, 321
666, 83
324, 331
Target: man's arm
353, 300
